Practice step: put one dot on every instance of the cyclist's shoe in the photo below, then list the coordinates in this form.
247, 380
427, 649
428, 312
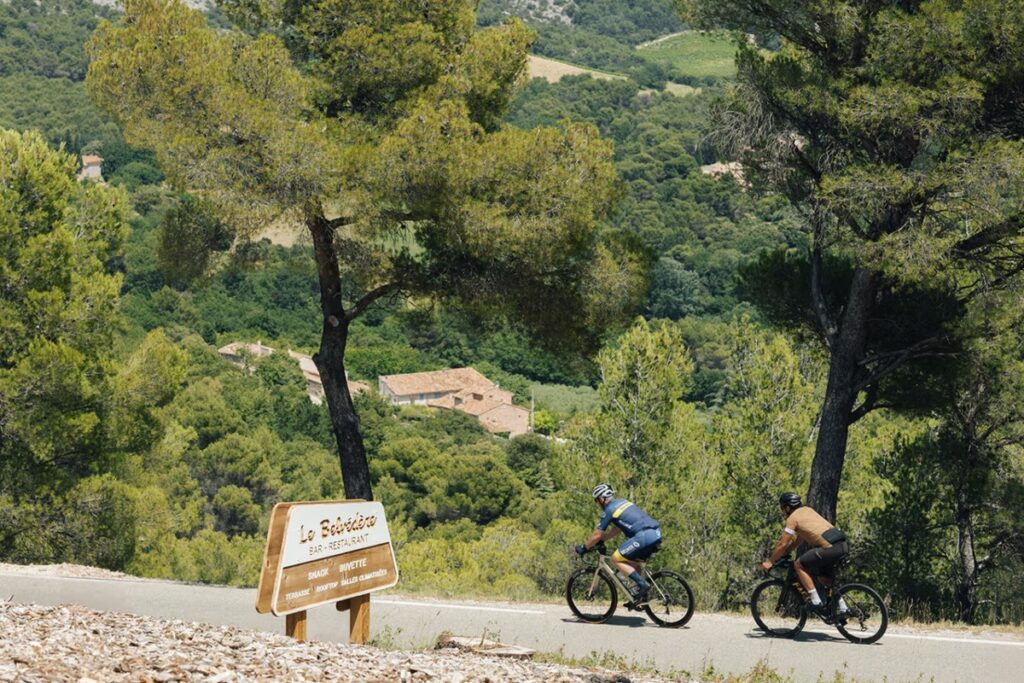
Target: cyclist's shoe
823, 612
642, 596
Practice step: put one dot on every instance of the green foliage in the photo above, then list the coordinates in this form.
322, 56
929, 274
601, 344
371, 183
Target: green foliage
46, 39
135, 174
42, 66
189, 233
101, 522
437, 159
58, 310
701, 228
642, 379
763, 433
235, 511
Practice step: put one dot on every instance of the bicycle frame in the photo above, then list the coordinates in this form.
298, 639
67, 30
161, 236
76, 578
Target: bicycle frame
604, 566
790, 577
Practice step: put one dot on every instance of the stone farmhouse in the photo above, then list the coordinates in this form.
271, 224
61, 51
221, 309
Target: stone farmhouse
92, 168
462, 389
314, 387
241, 354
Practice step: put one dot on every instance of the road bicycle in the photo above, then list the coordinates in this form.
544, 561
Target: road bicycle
593, 593
780, 607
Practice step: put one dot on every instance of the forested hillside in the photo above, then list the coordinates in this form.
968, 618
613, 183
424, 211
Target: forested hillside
129, 443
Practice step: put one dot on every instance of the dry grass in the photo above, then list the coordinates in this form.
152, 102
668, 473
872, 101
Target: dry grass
284, 232
552, 70
681, 89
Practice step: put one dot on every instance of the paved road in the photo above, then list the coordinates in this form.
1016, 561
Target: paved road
728, 643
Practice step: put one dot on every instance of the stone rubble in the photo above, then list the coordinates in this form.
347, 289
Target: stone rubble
80, 645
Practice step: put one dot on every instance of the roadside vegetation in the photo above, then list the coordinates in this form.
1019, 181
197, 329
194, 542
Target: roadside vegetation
127, 442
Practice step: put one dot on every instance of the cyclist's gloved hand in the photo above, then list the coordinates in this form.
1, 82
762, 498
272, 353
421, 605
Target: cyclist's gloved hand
766, 565
581, 550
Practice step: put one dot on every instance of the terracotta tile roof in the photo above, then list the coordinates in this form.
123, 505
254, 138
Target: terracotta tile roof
91, 159
451, 380
513, 420
477, 408
257, 350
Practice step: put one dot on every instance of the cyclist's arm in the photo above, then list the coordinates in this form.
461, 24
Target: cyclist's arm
599, 535
595, 537
782, 547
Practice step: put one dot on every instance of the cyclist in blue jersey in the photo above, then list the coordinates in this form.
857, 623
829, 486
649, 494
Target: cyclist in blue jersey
643, 536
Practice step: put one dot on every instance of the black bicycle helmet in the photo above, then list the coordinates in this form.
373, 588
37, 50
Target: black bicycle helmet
790, 500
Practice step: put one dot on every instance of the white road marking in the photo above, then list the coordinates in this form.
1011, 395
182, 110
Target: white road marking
443, 605
945, 639
941, 639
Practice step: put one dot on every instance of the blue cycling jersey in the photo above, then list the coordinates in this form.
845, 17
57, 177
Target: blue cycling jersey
629, 518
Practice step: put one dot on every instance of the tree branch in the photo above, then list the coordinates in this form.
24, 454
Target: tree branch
920, 349
367, 300
870, 403
339, 222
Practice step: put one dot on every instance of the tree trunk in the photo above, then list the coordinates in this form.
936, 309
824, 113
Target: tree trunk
330, 361
844, 372
969, 569
967, 588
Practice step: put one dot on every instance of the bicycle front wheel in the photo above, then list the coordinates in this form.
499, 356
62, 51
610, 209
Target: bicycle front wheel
778, 609
862, 616
671, 600
591, 595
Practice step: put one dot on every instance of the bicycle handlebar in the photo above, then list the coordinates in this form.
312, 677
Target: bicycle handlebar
600, 547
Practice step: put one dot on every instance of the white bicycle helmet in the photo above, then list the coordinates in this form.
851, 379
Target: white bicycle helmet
603, 491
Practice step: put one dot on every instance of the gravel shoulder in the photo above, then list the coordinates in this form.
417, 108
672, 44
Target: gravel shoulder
71, 643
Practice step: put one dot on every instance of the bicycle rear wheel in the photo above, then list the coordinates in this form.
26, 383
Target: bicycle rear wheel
778, 609
865, 618
591, 595
671, 602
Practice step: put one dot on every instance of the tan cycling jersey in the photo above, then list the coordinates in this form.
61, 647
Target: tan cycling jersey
808, 526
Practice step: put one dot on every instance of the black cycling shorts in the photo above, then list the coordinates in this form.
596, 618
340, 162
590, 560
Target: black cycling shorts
822, 561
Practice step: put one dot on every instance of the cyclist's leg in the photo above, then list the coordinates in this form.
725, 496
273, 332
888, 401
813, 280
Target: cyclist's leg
622, 557
818, 562
630, 555
827, 572
803, 567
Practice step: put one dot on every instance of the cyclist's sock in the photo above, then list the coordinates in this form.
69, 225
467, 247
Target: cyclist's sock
639, 580
815, 600
842, 606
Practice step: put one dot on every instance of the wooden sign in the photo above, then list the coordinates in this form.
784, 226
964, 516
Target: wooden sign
323, 552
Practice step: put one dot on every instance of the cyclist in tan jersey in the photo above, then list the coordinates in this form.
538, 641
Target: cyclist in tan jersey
827, 544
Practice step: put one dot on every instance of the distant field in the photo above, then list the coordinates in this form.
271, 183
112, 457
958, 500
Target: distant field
694, 53
552, 70
564, 399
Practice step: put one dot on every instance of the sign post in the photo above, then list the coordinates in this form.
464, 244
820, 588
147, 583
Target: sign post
323, 552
